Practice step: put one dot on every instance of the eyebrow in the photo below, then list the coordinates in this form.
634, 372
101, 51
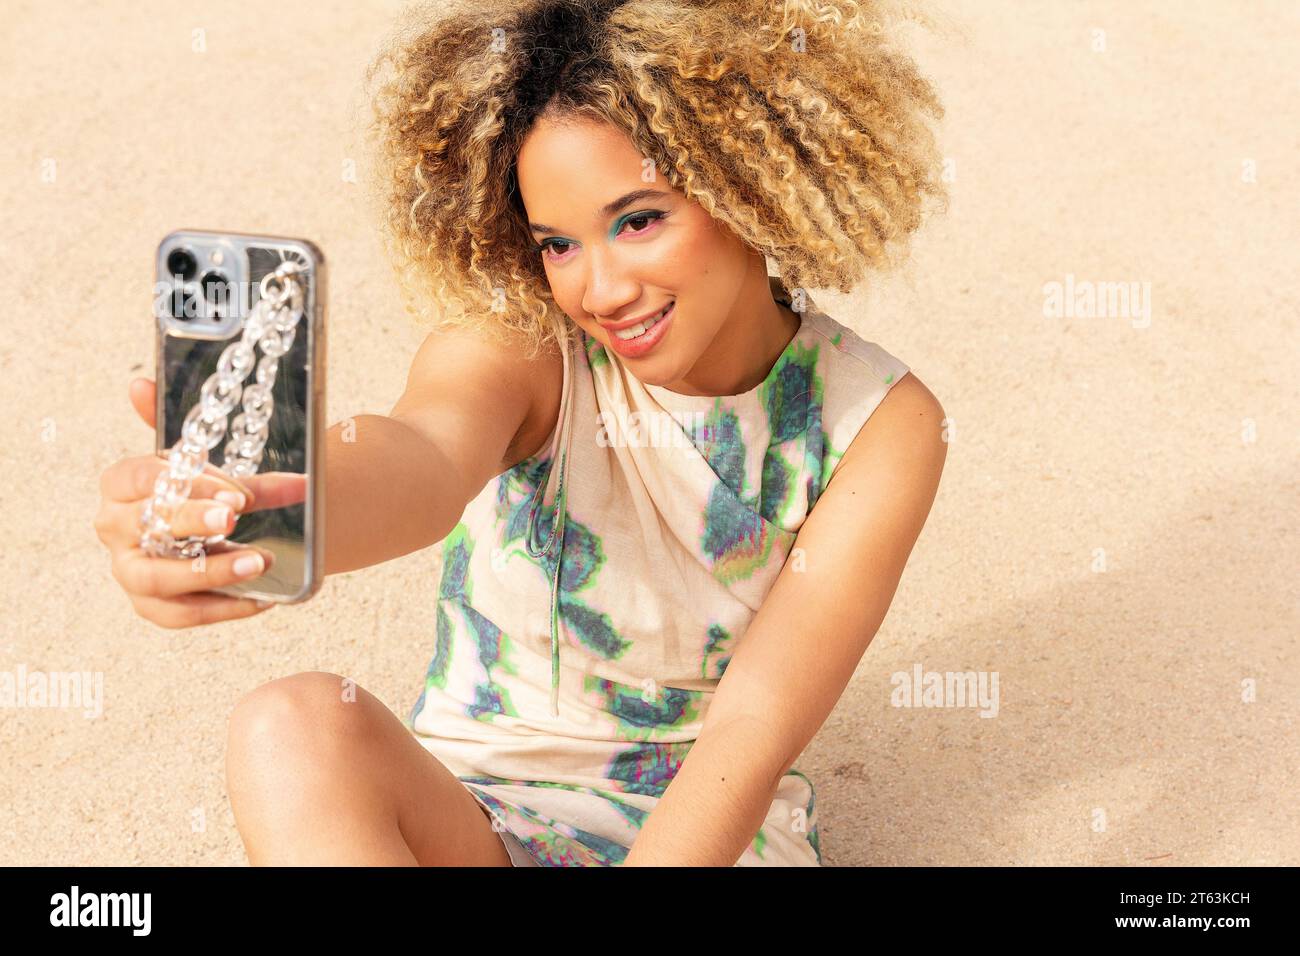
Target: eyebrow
607, 210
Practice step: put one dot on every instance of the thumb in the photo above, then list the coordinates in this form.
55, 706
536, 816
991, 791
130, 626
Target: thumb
143, 396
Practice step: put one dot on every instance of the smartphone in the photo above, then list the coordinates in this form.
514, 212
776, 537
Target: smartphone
206, 284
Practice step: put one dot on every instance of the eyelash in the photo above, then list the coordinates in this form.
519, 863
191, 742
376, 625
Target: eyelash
650, 214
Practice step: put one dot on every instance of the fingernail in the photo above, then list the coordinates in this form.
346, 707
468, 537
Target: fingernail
217, 518
248, 565
263, 605
231, 498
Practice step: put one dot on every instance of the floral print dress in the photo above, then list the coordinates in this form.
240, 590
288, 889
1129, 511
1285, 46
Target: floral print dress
591, 596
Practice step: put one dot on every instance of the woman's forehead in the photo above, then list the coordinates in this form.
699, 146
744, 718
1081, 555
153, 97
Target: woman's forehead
574, 169
601, 147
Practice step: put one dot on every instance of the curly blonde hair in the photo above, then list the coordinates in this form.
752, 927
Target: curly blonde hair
791, 121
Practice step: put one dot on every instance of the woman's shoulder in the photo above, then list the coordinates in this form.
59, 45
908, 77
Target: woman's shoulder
856, 375
847, 358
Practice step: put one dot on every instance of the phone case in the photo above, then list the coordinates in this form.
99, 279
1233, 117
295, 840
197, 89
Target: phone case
200, 312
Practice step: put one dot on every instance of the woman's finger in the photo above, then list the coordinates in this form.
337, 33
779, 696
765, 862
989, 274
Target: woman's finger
143, 397
194, 610
152, 576
132, 479
118, 523
276, 489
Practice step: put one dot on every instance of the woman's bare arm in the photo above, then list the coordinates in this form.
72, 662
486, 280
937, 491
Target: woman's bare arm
398, 483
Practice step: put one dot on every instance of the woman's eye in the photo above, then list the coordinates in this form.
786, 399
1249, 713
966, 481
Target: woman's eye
646, 217
544, 247
548, 247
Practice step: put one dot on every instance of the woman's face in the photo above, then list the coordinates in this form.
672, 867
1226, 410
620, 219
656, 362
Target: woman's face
617, 247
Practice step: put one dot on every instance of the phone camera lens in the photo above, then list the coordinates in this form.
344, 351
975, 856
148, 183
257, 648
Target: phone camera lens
216, 289
184, 302
181, 262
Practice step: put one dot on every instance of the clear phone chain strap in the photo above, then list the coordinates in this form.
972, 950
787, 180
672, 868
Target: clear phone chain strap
272, 324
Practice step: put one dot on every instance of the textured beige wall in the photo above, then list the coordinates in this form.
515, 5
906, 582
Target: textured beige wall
1120, 690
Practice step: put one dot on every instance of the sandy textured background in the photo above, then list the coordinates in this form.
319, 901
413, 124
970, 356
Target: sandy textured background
1108, 536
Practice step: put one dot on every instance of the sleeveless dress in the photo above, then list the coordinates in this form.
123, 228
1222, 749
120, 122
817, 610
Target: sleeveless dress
587, 609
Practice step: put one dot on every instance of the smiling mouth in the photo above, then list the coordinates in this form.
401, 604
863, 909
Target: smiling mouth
641, 328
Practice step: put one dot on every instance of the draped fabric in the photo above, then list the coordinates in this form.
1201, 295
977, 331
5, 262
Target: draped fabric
592, 596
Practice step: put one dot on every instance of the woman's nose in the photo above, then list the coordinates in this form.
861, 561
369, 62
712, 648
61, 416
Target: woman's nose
609, 289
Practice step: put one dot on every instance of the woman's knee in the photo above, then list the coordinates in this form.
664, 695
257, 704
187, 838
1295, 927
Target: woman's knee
311, 715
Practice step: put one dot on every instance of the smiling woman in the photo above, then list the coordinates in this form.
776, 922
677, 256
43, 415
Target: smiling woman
603, 183
663, 271
793, 126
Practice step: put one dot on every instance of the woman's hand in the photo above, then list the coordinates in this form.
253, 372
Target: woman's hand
167, 591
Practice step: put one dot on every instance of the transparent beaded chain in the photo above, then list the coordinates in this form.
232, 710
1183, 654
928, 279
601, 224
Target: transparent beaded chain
272, 324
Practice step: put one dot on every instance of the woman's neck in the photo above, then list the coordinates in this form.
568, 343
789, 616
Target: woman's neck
746, 347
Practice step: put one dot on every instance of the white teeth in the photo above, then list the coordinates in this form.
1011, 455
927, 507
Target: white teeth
639, 329
642, 327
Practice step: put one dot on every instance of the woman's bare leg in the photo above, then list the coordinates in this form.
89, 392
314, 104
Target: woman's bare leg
316, 778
